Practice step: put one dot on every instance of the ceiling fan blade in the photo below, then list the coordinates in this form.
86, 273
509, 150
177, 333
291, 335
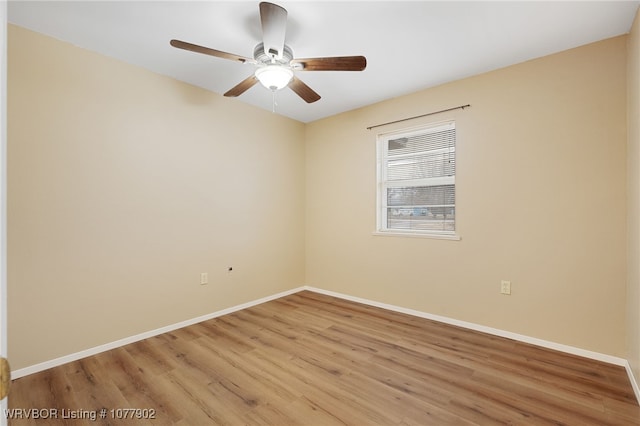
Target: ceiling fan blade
242, 87
274, 27
336, 63
212, 52
302, 90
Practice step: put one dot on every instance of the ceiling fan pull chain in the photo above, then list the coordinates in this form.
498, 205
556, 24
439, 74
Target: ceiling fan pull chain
275, 103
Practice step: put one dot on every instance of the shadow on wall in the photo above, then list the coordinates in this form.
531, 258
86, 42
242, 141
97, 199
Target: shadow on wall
194, 95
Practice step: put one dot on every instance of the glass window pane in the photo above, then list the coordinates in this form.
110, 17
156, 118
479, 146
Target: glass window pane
422, 219
421, 195
417, 179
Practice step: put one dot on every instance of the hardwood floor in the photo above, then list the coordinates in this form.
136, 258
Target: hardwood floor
310, 359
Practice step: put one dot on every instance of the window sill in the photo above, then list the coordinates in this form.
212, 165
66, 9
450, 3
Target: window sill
453, 237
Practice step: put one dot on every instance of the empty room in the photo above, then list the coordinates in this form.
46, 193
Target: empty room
320, 213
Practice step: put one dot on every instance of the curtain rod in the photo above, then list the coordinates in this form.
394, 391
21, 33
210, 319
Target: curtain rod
419, 116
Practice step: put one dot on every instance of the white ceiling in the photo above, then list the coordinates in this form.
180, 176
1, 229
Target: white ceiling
409, 45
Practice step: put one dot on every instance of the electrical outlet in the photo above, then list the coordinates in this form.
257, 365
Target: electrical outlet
505, 287
204, 278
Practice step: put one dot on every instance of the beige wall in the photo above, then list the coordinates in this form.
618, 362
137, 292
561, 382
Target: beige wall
124, 186
633, 197
541, 174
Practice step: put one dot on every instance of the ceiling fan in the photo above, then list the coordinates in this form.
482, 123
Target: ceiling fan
274, 59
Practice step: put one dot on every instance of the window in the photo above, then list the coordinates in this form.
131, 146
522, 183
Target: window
417, 181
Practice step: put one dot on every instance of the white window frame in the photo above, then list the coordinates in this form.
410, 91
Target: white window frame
383, 183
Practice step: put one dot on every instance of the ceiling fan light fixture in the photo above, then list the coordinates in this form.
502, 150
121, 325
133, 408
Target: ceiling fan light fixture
274, 77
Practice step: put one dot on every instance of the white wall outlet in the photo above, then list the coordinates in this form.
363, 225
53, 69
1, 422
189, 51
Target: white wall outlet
204, 278
505, 287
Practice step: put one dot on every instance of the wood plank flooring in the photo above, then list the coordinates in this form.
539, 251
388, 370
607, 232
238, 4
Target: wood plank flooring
311, 359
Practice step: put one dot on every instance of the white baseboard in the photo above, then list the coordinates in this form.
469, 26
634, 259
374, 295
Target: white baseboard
472, 326
632, 379
496, 332
16, 374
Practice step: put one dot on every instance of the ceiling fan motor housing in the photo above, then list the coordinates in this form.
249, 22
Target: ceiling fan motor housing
269, 59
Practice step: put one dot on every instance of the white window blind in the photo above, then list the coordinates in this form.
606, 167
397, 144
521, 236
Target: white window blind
416, 180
